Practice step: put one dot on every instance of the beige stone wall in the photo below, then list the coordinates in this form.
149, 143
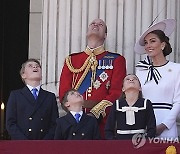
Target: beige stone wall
35, 28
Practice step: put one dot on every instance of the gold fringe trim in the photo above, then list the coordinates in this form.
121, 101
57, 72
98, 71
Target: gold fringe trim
100, 108
90, 63
72, 69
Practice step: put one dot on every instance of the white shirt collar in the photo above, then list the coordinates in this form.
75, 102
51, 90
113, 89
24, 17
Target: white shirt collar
30, 87
73, 113
95, 48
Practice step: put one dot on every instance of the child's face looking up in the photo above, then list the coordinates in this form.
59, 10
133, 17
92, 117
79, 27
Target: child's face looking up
74, 97
32, 71
131, 82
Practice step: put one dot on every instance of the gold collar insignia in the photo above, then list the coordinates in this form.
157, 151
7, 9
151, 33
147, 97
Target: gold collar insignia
96, 51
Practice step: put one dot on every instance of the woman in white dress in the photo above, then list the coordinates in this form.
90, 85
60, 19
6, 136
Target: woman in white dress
160, 78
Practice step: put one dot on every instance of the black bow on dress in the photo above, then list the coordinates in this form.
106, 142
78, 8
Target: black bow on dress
153, 73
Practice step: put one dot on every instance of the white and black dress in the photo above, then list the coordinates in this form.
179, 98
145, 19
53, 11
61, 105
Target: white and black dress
125, 121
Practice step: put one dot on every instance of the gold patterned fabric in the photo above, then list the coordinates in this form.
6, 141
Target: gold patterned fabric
100, 108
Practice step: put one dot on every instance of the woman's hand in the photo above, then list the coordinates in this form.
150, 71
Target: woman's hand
160, 128
89, 103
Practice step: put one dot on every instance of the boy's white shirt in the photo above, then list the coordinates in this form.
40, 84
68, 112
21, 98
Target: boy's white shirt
73, 113
30, 88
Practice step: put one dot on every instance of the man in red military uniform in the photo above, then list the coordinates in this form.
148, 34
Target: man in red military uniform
97, 74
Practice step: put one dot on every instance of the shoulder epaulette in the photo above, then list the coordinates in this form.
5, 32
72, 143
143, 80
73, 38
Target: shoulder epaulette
77, 53
114, 53
111, 55
74, 54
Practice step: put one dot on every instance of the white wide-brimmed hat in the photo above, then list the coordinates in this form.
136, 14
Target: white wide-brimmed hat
167, 26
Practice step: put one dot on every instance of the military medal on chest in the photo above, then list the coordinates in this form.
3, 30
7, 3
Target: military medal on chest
108, 85
97, 84
94, 69
103, 76
105, 64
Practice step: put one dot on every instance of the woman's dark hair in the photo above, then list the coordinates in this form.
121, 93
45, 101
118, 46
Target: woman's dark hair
163, 38
123, 96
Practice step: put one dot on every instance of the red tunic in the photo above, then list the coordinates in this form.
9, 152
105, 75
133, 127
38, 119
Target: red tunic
110, 89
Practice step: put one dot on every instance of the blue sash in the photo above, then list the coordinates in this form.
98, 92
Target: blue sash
87, 80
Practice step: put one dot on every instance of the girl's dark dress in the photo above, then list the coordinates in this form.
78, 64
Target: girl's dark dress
117, 127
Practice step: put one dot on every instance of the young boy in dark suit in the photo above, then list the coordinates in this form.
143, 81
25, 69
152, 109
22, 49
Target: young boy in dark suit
31, 112
76, 125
